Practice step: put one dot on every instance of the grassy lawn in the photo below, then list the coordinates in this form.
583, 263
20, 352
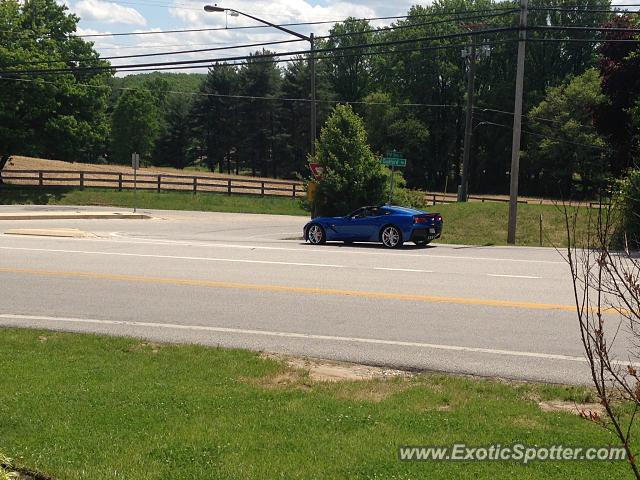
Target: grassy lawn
472, 223
477, 223
206, 202
83, 406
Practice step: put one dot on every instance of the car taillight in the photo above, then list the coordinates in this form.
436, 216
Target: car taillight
419, 219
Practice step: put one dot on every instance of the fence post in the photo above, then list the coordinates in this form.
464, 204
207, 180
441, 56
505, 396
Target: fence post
159, 182
229, 187
120, 182
40, 182
262, 189
82, 180
195, 184
540, 229
434, 199
294, 190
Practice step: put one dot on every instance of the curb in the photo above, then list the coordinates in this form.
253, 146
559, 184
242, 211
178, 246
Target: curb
71, 216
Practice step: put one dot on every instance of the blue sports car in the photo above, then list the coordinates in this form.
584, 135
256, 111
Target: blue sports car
385, 223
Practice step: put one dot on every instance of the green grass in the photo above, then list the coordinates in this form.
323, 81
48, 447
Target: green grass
84, 406
476, 223
472, 223
207, 202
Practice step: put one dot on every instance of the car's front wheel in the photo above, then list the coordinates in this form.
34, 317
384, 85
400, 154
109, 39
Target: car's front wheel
391, 237
316, 235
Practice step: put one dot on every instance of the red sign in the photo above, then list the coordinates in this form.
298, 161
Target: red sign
317, 170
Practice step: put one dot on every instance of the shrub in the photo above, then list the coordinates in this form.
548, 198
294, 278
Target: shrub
627, 204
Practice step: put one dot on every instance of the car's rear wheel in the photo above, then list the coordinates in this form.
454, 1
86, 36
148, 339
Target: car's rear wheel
391, 237
316, 235
422, 243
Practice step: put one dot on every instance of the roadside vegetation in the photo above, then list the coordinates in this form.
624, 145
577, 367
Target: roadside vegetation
206, 202
252, 116
85, 406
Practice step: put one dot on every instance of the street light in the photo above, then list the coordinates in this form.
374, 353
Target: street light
312, 60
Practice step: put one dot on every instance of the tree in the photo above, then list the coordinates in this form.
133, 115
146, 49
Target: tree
295, 115
353, 176
620, 70
215, 118
55, 116
391, 127
349, 70
134, 125
260, 77
566, 154
172, 145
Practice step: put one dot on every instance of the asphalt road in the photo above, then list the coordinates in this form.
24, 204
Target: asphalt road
244, 281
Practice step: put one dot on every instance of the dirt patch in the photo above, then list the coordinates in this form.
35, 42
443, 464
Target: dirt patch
580, 409
330, 371
31, 163
353, 381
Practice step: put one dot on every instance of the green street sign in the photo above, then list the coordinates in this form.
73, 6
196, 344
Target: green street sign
394, 162
394, 159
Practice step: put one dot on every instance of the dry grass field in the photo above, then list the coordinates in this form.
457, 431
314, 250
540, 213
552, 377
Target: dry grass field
150, 178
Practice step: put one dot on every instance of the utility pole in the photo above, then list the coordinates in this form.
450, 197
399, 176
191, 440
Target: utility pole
312, 73
468, 128
517, 125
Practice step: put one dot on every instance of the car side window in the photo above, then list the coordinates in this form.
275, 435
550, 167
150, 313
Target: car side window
359, 213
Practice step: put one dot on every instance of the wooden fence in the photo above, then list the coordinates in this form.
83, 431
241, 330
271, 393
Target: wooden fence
158, 182
201, 184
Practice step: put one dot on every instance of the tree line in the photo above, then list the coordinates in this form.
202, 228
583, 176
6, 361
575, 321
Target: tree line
581, 98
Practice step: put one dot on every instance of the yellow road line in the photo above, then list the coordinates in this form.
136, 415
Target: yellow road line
287, 289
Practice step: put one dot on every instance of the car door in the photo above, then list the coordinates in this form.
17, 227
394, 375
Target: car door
362, 227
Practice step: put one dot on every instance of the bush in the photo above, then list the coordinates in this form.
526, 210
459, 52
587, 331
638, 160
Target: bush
402, 196
627, 204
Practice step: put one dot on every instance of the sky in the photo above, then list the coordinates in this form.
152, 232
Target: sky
103, 16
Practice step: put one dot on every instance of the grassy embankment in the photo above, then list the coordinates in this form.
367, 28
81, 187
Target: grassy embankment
84, 406
473, 223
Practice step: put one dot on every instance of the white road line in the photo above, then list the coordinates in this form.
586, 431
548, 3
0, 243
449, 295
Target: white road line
314, 249
176, 257
304, 336
308, 249
403, 270
512, 276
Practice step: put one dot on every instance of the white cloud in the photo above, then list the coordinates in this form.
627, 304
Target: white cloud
275, 11
108, 12
188, 14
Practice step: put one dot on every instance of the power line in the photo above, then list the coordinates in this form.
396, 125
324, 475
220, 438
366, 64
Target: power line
583, 28
530, 117
582, 40
363, 54
225, 60
582, 9
270, 55
588, 145
414, 25
191, 30
179, 52
240, 97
